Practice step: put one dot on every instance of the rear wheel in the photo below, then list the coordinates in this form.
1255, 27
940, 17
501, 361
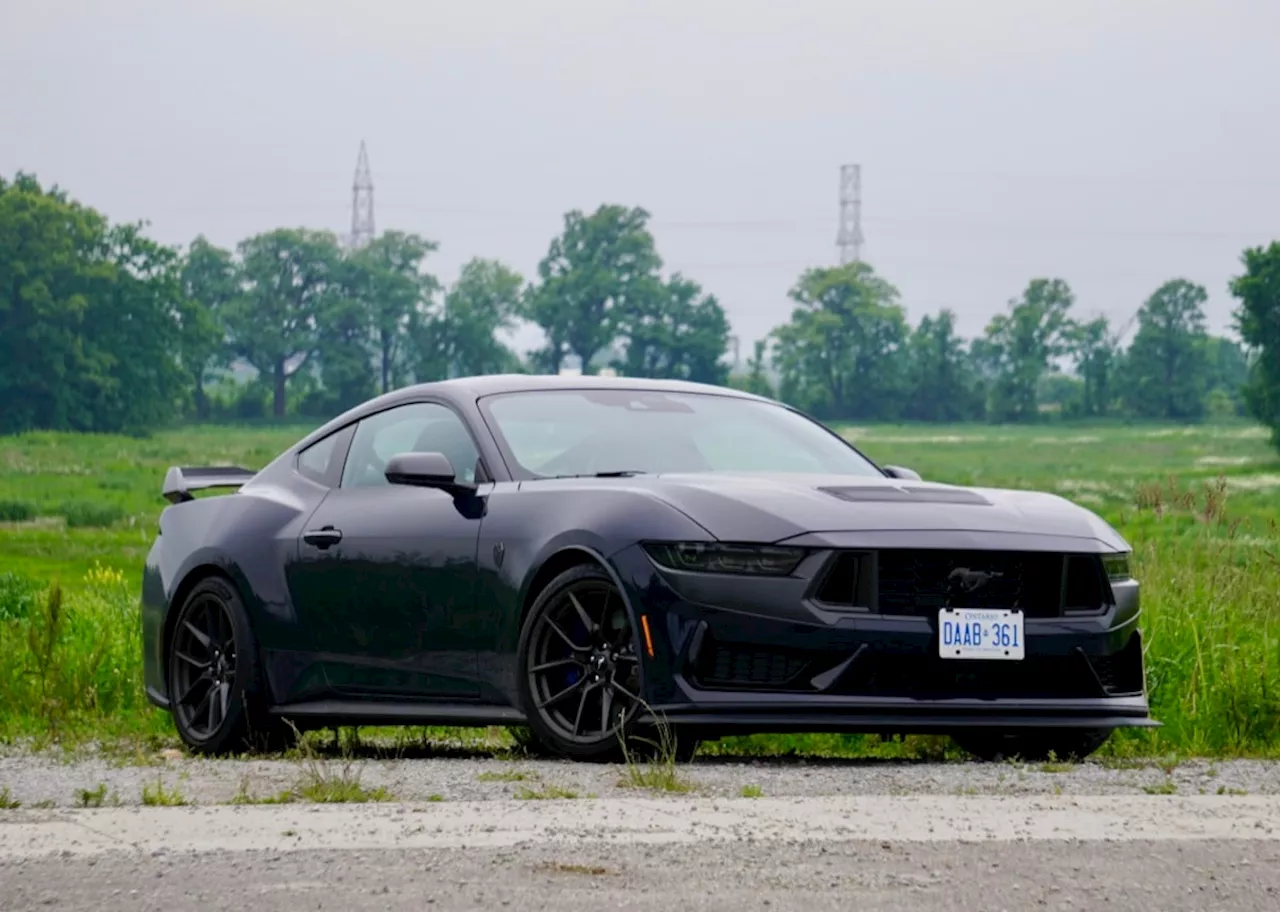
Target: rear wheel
217, 695
579, 663
1032, 744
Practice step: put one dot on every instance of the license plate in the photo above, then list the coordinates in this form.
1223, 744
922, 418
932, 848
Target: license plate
980, 633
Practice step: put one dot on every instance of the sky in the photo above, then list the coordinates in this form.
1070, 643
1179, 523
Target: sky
1112, 143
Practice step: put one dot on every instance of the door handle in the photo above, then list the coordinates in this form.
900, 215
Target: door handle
322, 538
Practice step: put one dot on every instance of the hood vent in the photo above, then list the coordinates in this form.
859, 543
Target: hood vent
906, 494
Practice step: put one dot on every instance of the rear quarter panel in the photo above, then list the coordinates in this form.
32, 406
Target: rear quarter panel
251, 537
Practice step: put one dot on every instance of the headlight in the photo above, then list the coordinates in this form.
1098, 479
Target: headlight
1117, 566
700, 557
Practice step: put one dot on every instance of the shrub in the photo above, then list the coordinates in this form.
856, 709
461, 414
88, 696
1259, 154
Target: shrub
87, 515
16, 511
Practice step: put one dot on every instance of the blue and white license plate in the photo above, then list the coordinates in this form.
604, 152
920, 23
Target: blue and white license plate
980, 633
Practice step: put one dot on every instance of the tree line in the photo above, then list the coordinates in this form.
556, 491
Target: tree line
104, 329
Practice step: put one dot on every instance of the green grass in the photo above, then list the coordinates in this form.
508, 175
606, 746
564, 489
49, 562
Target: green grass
1201, 505
155, 794
547, 792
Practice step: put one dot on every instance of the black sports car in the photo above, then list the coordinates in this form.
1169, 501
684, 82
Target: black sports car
590, 559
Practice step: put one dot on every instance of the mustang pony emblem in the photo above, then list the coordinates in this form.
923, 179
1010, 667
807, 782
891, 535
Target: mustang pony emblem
971, 580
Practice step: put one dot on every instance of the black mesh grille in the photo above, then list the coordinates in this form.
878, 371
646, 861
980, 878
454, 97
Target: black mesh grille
919, 582
749, 665
931, 677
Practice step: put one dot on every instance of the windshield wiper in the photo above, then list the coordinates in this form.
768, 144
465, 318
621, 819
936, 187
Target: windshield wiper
616, 473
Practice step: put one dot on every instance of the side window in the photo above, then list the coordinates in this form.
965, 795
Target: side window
322, 461
421, 427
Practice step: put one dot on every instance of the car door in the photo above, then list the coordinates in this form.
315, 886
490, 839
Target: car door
386, 574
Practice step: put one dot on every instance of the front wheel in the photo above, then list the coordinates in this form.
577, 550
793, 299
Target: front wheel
580, 676
1035, 745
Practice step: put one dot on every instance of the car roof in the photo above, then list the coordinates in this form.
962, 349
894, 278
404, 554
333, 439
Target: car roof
462, 389
492, 384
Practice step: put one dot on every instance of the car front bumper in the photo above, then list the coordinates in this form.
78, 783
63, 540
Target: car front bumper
731, 653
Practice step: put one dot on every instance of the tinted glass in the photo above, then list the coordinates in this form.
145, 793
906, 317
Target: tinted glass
583, 432
322, 461
422, 427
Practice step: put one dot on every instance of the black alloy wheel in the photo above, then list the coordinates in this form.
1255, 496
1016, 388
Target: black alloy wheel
204, 652
216, 696
580, 676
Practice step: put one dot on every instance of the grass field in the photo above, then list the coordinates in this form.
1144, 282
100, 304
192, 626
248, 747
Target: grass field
1201, 506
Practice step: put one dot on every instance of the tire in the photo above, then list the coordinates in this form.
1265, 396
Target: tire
579, 673
1035, 745
217, 691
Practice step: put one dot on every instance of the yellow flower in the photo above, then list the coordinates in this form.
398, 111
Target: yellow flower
99, 576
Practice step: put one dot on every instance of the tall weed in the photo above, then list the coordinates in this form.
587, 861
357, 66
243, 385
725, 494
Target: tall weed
74, 662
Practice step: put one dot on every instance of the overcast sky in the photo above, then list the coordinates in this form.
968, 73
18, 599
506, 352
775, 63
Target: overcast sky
1114, 143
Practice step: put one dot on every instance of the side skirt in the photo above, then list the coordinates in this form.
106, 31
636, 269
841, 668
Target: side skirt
329, 713
728, 723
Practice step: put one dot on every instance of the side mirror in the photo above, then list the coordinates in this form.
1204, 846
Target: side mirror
900, 472
425, 470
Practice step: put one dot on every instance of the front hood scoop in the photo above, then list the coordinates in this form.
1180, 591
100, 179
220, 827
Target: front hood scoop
906, 494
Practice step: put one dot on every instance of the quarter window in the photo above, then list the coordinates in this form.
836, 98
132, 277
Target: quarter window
322, 461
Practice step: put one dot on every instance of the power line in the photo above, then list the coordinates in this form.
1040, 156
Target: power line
849, 237
918, 225
362, 227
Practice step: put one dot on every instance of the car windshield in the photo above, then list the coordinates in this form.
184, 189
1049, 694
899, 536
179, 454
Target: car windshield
591, 431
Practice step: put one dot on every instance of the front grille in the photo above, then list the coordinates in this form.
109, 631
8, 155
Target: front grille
920, 582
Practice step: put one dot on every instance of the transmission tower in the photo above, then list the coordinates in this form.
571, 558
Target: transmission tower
362, 202
849, 238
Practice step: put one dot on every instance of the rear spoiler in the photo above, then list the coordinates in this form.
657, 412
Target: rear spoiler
180, 481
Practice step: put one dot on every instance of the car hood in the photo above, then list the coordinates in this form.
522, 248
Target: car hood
854, 511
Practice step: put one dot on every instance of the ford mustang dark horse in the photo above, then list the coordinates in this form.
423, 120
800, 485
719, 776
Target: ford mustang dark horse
592, 557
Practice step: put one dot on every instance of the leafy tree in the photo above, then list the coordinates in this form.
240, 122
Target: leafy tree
592, 275
1167, 367
675, 331
288, 278
209, 282
755, 381
1228, 376
1096, 353
1258, 322
941, 384
344, 348
839, 356
44, 243
131, 331
460, 339
386, 274
1020, 345
87, 321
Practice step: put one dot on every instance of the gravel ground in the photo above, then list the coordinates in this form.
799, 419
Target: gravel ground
49, 780
826, 835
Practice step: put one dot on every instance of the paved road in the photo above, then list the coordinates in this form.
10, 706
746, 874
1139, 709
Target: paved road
923, 853
825, 836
